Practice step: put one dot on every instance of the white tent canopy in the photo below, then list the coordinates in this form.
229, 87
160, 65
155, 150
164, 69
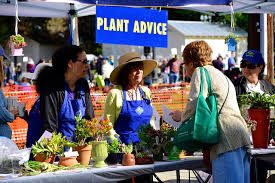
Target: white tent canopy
45, 9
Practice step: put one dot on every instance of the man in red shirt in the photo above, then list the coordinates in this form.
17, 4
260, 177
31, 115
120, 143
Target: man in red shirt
174, 65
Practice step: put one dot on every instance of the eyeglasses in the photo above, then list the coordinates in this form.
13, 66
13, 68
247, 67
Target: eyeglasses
248, 65
85, 61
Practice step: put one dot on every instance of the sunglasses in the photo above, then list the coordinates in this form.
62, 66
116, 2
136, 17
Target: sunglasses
85, 61
248, 65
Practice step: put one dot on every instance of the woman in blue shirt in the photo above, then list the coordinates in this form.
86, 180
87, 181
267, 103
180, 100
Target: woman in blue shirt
5, 115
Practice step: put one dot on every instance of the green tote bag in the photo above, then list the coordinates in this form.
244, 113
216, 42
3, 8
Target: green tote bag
202, 129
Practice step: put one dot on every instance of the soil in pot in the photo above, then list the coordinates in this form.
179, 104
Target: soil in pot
41, 157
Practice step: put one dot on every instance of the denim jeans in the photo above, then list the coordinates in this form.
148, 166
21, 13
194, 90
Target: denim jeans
173, 78
232, 167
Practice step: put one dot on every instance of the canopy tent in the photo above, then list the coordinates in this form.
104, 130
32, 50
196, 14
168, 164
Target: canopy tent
45, 9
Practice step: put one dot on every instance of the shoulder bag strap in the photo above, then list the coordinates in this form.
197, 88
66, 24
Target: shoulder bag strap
226, 95
210, 89
201, 90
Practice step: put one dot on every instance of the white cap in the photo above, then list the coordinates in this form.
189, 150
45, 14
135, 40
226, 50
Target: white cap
39, 67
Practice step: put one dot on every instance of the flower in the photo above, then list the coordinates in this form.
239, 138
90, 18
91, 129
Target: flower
17, 41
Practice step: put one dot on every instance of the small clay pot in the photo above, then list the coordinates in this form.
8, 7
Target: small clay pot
84, 154
67, 161
128, 160
41, 157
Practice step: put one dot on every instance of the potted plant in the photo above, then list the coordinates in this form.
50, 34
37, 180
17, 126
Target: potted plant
143, 158
82, 135
48, 149
114, 152
259, 111
68, 159
128, 157
16, 44
99, 129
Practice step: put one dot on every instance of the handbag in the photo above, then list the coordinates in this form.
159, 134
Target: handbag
202, 129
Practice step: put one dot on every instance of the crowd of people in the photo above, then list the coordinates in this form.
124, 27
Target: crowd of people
64, 93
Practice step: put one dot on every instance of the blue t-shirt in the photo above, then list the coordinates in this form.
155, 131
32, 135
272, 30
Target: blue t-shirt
231, 60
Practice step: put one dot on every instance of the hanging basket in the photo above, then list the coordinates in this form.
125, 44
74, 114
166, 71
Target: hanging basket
16, 45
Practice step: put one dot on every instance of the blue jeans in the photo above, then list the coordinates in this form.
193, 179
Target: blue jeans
232, 167
173, 78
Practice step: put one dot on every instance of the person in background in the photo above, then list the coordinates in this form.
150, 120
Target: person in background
229, 157
64, 93
30, 65
99, 65
174, 65
18, 71
5, 115
39, 62
165, 71
111, 60
11, 74
218, 63
106, 72
231, 61
252, 66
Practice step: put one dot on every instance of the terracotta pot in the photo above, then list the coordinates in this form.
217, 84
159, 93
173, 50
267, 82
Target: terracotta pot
99, 153
128, 160
41, 157
260, 136
67, 161
84, 152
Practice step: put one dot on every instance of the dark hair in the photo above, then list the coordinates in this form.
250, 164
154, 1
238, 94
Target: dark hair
62, 56
60, 61
261, 74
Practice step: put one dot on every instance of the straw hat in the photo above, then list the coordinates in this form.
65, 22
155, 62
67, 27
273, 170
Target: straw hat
130, 57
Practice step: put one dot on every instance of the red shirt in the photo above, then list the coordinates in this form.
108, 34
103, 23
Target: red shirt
174, 65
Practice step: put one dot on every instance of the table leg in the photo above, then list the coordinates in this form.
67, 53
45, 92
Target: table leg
178, 176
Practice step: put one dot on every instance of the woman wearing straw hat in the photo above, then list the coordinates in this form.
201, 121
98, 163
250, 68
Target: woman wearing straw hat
128, 105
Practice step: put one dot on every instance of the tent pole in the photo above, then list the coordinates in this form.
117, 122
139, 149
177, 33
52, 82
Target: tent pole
263, 38
74, 25
270, 48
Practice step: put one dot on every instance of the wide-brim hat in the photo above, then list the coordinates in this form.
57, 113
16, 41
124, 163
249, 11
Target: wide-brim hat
130, 57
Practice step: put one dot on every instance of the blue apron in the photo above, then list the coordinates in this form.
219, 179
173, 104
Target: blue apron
133, 114
70, 109
66, 118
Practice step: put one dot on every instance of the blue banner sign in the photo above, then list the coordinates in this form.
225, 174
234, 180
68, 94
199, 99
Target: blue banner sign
131, 26
157, 3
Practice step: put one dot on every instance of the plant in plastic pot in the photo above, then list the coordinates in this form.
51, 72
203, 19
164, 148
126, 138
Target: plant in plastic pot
114, 152
259, 111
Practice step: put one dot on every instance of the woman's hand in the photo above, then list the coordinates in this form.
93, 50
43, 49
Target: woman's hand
176, 115
14, 112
